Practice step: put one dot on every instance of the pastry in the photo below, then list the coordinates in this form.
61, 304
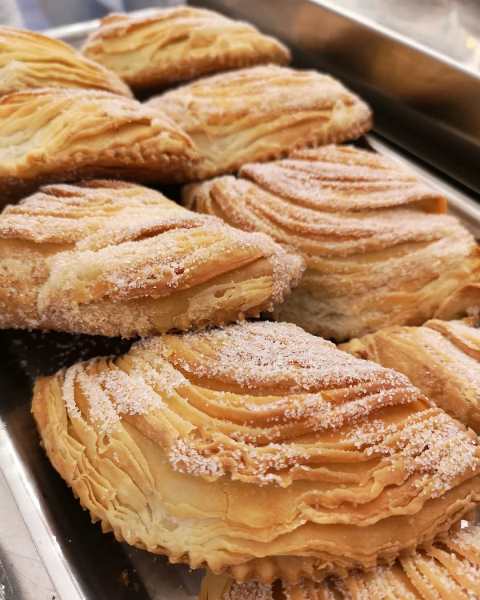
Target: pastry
442, 358
262, 113
32, 60
177, 44
465, 301
117, 259
378, 249
450, 570
257, 450
64, 135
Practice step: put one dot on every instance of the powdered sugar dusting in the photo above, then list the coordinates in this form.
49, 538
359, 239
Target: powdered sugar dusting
112, 393
224, 417
324, 207
430, 444
115, 241
102, 411
342, 178
270, 89
262, 354
68, 391
249, 591
185, 458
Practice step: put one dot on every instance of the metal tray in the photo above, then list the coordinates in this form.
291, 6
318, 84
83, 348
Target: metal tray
83, 563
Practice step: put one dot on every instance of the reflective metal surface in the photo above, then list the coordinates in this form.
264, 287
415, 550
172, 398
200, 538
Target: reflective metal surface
451, 27
423, 100
22, 574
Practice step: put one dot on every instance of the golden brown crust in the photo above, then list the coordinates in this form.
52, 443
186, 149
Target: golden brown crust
378, 249
257, 450
31, 60
178, 44
465, 301
442, 358
262, 113
65, 135
449, 569
112, 258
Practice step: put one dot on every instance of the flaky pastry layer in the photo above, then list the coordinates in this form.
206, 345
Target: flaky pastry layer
442, 358
378, 249
31, 60
113, 258
262, 113
178, 44
53, 135
449, 569
257, 450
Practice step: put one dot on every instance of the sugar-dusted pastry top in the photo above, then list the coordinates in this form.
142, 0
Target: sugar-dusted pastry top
114, 258
31, 60
442, 358
262, 113
257, 450
177, 44
54, 134
378, 249
450, 569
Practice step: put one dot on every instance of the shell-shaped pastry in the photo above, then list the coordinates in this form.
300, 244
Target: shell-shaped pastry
262, 113
448, 569
257, 450
442, 358
118, 259
378, 249
53, 135
178, 44
31, 60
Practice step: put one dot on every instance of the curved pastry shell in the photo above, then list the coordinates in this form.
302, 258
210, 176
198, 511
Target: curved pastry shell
65, 135
31, 60
261, 114
178, 44
378, 249
442, 358
113, 258
257, 450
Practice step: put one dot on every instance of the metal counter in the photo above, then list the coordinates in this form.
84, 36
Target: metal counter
22, 573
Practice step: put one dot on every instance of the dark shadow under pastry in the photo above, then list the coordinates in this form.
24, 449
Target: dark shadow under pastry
378, 248
262, 113
257, 450
177, 44
54, 134
442, 358
118, 259
31, 60
450, 570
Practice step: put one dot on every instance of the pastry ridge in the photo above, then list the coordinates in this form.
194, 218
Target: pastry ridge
113, 258
257, 450
442, 358
176, 44
52, 135
31, 60
262, 113
450, 568
378, 247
